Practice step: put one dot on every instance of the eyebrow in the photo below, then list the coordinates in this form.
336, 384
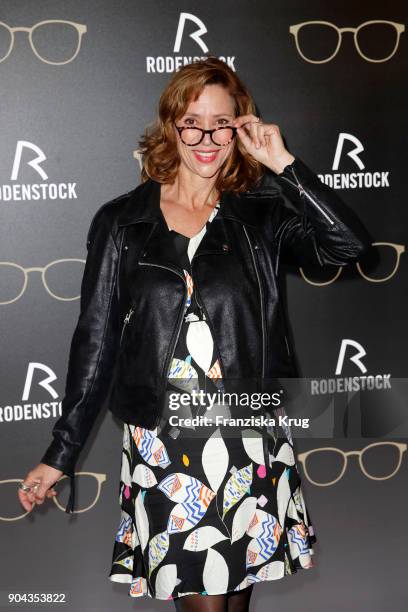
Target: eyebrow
217, 115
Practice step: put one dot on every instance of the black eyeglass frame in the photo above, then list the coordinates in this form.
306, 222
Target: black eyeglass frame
204, 132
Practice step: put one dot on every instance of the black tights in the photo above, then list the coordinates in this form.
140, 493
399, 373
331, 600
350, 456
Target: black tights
234, 601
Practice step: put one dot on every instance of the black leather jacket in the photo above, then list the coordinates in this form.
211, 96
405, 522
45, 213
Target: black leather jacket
133, 294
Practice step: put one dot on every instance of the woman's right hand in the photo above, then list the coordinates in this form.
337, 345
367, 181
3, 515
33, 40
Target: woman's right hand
44, 476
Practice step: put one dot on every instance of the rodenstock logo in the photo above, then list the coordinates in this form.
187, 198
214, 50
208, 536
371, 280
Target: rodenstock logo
34, 157
196, 36
355, 358
354, 352
171, 63
40, 375
350, 146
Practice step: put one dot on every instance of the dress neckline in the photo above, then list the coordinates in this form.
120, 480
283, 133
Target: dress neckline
210, 218
183, 235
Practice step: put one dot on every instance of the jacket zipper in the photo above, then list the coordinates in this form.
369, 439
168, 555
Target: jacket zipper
181, 316
287, 345
207, 318
125, 322
261, 296
303, 192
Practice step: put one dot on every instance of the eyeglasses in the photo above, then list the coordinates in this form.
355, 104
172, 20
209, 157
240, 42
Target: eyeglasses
192, 136
44, 36
57, 276
89, 485
387, 454
320, 37
396, 249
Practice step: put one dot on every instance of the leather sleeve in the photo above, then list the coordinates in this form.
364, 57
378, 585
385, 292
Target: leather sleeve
93, 350
312, 224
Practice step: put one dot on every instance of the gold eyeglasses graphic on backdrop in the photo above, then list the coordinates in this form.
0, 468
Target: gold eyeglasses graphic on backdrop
326, 453
327, 33
85, 482
21, 274
398, 249
41, 34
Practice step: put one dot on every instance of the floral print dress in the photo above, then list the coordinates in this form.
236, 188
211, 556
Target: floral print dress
201, 511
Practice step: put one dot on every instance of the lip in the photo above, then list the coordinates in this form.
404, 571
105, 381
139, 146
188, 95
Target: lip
205, 159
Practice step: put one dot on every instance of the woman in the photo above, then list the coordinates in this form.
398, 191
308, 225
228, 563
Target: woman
179, 296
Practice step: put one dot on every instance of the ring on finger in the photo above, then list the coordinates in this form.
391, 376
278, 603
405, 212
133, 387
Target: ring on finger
24, 487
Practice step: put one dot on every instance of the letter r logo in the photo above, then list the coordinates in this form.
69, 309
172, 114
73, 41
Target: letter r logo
343, 136
44, 383
354, 358
34, 163
196, 36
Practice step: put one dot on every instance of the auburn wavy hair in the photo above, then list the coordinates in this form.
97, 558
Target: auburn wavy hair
158, 145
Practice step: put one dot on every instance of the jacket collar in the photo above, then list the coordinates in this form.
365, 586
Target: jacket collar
143, 204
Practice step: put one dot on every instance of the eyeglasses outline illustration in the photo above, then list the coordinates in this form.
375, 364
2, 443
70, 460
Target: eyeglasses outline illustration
398, 28
43, 270
100, 479
137, 154
401, 446
79, 27
399, 249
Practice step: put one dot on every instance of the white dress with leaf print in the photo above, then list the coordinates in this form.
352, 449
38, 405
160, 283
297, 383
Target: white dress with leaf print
202, 512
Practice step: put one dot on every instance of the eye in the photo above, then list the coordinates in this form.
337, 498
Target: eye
191, 121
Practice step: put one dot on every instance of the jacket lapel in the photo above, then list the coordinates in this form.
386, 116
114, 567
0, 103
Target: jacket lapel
143, 206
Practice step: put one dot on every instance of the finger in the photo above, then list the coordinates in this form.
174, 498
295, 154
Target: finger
50, 492
30, 495
253, 130
260, 131
247, 141
40, 494
263, 139
273, 129
28, 498
239, 121
264, 136
25, 502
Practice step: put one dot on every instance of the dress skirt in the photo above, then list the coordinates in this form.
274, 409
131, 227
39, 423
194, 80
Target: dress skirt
204, 510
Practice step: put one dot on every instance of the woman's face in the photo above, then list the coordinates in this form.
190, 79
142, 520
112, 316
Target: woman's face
214, 108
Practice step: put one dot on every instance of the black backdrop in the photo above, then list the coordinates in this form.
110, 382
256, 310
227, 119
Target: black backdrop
69, 132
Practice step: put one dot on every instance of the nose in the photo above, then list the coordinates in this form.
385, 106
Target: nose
207, 140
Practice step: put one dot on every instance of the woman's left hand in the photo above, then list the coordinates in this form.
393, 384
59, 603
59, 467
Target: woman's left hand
263, 141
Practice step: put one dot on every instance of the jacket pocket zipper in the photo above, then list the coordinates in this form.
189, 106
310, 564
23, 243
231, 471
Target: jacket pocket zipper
125, 323
302, 191
261, 297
